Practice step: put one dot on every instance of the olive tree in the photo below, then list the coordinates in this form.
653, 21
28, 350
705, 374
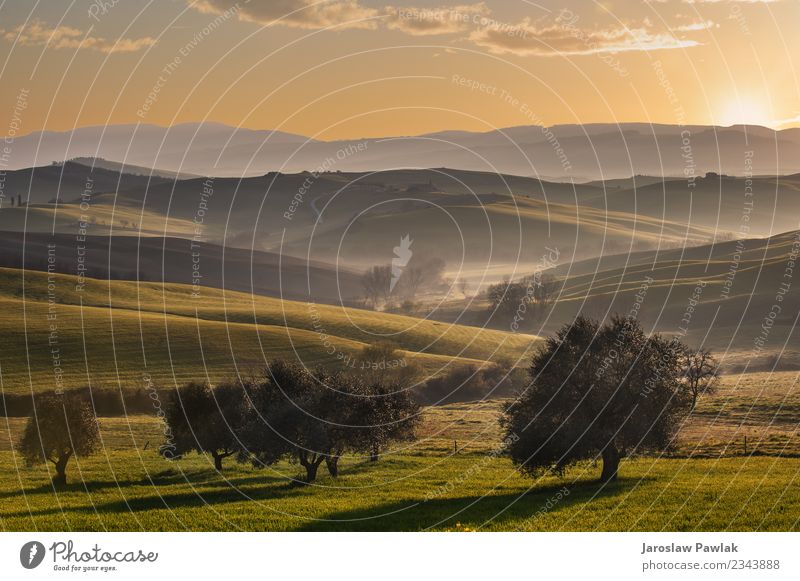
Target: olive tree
598, 391
205, 420
60, 426
287, 418
313, 417
387, 413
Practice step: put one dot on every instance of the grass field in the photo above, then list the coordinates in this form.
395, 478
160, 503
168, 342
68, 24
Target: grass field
424, 486
451, 478
113, 333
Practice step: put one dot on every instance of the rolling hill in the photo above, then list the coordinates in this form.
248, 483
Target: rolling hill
181, 260
484, 226
69, 181
56, 333
740, 298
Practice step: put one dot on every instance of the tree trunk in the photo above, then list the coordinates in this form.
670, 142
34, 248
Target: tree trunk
374, 455
217, 461
60, 477
311, 464
332, 462
311, 471
610, 463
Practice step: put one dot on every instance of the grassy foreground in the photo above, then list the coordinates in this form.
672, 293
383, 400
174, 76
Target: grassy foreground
127, 491
127, 486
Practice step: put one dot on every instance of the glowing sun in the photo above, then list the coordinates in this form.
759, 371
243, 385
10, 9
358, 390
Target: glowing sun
744, 111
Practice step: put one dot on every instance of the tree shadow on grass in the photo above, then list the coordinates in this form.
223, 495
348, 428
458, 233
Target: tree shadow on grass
470, 512
168, 501
212, 489
231, 486
414, 514
72, 486
164, 478
140, 495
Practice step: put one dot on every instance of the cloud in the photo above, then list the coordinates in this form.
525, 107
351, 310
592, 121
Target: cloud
37, 33
786, 123
532, 38
473, 22
307, 14
565, 38
433, 21
694, 26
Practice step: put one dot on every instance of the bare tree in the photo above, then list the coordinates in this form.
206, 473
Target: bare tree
376, 282
420, 274
701, 372
434, 270
412, 280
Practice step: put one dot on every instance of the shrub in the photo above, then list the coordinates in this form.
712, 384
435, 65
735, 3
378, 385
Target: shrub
470, 383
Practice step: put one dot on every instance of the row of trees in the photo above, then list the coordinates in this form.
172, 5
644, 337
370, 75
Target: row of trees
309, 417
418, 275
594, 391
522, 302
292, 413
472, 383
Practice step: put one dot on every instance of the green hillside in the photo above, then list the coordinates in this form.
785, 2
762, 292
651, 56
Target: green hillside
720, 296
54, 334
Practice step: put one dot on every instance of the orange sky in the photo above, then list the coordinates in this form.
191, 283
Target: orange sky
354, 68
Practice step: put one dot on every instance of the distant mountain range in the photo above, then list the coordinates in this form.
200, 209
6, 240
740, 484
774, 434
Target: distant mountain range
559, 153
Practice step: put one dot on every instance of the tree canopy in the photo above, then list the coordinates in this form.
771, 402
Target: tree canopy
599, 391
59, 427
315, 416
204, 420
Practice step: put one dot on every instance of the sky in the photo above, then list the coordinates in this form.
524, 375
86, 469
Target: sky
362, 68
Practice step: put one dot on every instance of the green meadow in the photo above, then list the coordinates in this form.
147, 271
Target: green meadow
425, 486
135, 490
452, 478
